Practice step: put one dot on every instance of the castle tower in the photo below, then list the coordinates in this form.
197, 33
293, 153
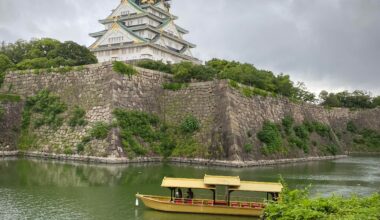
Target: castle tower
142, 29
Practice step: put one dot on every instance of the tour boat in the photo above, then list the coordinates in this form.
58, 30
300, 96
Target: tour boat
192, 204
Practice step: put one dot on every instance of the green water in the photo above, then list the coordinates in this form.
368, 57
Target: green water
35, 189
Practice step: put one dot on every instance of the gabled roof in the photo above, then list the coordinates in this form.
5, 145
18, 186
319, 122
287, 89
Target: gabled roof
115, 26
98, 34
124, 2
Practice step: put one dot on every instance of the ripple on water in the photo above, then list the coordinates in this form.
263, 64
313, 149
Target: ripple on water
19, 204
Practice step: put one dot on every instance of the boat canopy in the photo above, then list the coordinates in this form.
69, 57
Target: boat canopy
258, 187
184, 183
232, 182
222, 180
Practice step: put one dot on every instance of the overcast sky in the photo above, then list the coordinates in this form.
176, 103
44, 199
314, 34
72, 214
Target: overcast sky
328, 44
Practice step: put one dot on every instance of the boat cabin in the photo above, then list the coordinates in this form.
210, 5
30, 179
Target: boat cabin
230, 183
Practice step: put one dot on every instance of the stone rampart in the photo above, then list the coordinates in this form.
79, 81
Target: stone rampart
228, 119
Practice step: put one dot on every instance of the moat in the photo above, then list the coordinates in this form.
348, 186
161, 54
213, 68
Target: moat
37, 189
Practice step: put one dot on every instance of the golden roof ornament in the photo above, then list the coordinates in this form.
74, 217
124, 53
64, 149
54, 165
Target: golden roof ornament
148, 2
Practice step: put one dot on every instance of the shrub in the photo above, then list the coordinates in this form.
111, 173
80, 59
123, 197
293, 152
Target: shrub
174, 86
248, 147
322, 129
270, 136
296, 204
80, 147
124, 69
155, 65
371, 138
332, 149
233, 84
301, 132
190, 124
299, 143
287, 122
100, 130
351, 127
47, 108
9, 98
77, 117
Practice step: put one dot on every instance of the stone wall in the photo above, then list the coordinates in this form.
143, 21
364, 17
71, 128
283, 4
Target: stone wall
228, 119
10, 124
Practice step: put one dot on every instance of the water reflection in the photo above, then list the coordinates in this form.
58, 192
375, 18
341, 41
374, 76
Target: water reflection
58, 190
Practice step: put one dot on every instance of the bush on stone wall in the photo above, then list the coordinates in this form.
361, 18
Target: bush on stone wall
46, 109
77, 117
124, 69
190, 124
271, 137
100, 130
144, 133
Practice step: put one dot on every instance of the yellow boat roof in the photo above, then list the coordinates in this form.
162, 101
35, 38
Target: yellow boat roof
232, 182
222, 180
258, 187
168, 182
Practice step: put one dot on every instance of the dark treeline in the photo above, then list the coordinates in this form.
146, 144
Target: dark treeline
43, 53
345, 99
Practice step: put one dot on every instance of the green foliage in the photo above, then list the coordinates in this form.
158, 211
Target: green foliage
77, 117
368, 139
296, 204
124, 69
190, 124
5, 64
46, 108
155, 65
80, 147
9, 98
351, 127
68, 151
322, 129
185, 71
46, 53
248, 147
263, 82
287, 123
141, 131
271, 137
27, 141
100, 130
356, 99
300, 143
174, 86
233, 84
332, 149
301, 131
2, 112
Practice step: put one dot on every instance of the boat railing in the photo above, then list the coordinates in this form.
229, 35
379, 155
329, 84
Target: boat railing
206, 202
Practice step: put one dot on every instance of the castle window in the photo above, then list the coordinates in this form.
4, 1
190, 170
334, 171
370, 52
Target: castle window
124, 13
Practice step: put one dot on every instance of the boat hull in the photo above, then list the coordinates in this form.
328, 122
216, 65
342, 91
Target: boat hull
201, 207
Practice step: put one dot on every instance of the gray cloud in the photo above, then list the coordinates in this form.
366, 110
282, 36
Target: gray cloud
329, 44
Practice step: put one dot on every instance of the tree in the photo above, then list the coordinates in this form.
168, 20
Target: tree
376, 101
5, 63
46, 53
